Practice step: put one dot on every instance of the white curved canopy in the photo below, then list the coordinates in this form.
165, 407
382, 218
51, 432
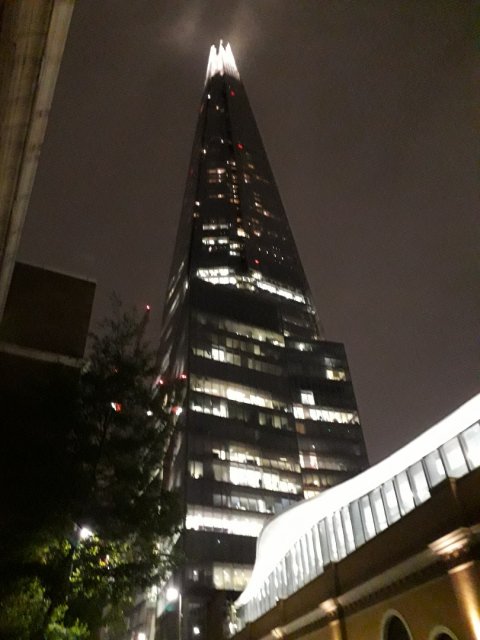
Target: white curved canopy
281, 533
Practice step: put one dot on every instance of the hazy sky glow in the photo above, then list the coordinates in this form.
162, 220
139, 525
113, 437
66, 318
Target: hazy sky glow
366, 111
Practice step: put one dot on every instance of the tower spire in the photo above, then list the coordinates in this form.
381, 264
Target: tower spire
222, 62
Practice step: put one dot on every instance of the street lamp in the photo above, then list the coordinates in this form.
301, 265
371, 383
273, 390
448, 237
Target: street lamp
85, 533
173, 595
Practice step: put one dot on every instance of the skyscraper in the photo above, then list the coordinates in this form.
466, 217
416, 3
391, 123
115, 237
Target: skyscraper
262, 406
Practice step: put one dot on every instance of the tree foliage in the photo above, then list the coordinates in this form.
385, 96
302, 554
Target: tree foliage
113, 453
121, 437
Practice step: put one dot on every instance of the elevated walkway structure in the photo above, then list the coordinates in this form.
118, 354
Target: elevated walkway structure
301, 545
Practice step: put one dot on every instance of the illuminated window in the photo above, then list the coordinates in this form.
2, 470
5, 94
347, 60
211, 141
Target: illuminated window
214, 240
298, 412
224, 355
218, 354
272, 420
213, 406
249, 331
213, 226
195, 469
236, 392
282, 291
245, 503
202, 518
301, 346
325, 415
336, 374
255, 477
232, 577
307, 397
229, 276
309, 460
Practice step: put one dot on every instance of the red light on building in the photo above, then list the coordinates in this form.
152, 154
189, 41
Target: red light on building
147, 307
256, 261
116, 406
232, 93
183, 376
239, 145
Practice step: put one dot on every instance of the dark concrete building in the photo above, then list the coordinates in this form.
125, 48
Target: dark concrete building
262, 405
42, 341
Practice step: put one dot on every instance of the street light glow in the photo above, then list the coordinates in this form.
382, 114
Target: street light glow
172, 594
85, 533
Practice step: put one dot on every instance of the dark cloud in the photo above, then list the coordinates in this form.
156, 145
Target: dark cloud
366, 113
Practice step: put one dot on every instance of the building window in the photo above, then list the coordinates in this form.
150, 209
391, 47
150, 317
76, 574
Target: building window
235, 392
255, 477
441, 633
325, 415
202, 518
396, 629
195, 469
336, 374
272, 420
230, 326
214, 240
307, 397
231, 577
213, 226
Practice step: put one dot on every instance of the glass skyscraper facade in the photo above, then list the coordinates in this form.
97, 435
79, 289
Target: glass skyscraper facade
262, 406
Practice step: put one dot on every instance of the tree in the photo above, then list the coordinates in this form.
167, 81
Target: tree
113, 438
121, 434
120, 439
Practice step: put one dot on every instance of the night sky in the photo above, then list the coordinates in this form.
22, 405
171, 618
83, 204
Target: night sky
366, 111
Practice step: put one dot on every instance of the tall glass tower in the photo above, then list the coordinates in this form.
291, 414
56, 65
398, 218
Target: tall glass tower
262, 407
